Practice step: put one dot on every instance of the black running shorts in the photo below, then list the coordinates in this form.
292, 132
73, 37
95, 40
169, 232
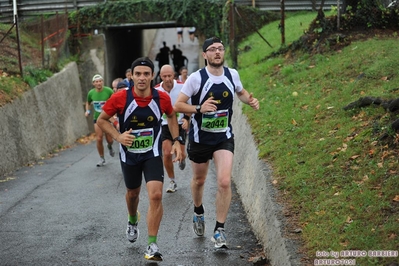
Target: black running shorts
151, 168
166, 133
201, 153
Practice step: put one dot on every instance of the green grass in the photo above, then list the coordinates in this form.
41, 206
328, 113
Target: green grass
330, 163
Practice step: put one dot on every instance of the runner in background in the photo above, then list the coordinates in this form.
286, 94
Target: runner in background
172, 87
179, 36
98, 96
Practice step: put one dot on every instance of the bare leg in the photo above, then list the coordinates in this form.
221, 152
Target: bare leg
132, 200
200, 171
167, 158
155, 209
99, 139
109, 139
224, 164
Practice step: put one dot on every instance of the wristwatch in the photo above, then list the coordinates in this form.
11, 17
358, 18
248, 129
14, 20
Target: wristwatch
179, 139
198, 108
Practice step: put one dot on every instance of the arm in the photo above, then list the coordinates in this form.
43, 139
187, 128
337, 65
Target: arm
182, 106
174, 131
186, 122
87, 108
125, 138
247, 98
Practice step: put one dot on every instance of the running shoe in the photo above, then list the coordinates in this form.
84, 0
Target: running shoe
111, 151
101, 163
199, 224
132, 232
182, 164
172, 187
219, 238
152, 252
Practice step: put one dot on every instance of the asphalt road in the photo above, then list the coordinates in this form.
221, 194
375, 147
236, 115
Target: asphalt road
66, 211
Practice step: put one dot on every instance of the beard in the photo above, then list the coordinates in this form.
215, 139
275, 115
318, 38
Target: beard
215, 65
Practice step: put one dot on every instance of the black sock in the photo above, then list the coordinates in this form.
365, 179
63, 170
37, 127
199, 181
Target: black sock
199, 210
218, 225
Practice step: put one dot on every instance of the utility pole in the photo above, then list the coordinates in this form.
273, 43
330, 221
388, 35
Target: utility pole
282, 23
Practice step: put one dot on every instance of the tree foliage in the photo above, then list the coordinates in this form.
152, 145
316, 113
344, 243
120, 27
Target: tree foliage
205, 15
370, 14
210, 17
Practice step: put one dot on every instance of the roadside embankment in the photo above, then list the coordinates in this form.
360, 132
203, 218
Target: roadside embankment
253, 180
47, 117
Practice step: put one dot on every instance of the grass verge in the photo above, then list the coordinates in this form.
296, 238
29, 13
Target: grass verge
331, 166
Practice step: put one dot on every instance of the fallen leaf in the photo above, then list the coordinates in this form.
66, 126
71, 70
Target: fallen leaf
354, 157
396, 198
344, 147
348, 220
344, 243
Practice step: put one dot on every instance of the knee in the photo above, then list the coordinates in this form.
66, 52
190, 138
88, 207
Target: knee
155, 196
224, 183
132, 194
199, 180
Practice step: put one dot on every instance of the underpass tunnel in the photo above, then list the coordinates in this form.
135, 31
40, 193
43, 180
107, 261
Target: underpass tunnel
124, 45
126, 42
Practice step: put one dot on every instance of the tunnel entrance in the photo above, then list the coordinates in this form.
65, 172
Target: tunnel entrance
126, 42
124, 45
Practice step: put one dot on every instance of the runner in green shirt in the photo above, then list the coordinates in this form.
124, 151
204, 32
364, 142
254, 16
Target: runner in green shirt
98, 96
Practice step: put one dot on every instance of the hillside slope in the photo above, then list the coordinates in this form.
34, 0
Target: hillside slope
336, 168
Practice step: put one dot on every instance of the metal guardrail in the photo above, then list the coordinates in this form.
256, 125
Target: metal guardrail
29, 8
291, 5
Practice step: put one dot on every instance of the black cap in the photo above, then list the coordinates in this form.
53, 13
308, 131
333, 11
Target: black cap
122, 84
210, 41
143, 61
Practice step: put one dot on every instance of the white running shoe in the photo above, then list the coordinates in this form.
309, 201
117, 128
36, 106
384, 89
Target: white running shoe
101, 163
172, 187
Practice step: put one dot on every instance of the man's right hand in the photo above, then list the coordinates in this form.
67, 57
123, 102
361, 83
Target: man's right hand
126, 138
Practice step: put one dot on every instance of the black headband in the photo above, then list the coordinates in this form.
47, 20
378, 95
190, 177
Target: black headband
143, 61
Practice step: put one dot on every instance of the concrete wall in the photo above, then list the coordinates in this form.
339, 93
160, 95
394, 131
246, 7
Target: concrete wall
148, 37
41, 120
253, 179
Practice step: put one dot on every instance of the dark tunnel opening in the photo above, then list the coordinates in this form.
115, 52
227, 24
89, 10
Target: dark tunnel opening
124, 45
